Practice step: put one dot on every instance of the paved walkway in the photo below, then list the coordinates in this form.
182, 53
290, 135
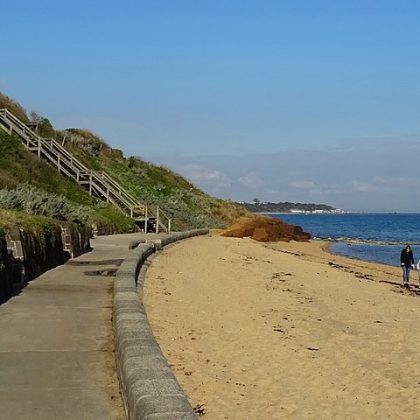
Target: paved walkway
56, 343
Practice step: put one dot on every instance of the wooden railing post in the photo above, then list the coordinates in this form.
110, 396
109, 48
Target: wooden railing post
90, 183
157, 219
145, 221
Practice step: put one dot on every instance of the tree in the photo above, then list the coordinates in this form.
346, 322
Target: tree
43, 125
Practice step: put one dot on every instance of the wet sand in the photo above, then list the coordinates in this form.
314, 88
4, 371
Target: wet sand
286, 330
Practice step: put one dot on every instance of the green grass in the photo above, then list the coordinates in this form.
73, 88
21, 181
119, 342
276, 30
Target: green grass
110, 217
10, 218
19, 166
159, 186
188, 206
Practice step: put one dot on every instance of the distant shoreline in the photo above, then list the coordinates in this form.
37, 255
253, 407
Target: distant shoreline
337, 214
301, 214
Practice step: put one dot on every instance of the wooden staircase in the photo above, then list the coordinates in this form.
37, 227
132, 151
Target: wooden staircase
98, 183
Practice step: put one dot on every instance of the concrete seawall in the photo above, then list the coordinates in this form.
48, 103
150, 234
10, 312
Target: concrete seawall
27, 253
149, 388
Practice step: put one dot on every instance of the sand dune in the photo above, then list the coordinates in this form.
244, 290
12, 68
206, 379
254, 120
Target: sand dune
259, 331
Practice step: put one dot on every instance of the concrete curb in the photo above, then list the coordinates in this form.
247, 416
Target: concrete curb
136, 243
149, 388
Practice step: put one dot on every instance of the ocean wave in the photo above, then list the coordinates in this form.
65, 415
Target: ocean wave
363, 241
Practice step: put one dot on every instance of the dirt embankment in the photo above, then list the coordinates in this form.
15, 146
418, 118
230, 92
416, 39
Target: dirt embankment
265, 229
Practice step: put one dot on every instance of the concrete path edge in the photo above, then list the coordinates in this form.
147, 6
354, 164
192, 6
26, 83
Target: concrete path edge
148, 385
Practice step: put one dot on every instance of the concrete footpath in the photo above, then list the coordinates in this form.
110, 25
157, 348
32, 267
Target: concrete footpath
56, 344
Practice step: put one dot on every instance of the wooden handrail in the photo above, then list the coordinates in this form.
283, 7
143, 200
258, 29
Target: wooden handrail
98, 182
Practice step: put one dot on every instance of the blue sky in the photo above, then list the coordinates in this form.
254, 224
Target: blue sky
203, 84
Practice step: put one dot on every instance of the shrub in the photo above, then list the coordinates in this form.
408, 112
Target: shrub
38, 202
15, 108
9, 146
45, 129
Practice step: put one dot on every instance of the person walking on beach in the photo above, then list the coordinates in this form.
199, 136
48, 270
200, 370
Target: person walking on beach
407, 261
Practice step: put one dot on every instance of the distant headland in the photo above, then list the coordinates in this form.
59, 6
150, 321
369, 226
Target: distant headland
258, 206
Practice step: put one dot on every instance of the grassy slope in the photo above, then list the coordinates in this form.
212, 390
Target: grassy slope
188, 206
18, 166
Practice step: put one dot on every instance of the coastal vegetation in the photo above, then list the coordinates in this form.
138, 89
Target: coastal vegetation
30, 186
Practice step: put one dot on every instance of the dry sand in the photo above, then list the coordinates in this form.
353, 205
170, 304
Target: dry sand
286, 330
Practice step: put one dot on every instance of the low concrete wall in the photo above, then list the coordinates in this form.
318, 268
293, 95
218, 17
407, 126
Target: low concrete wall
149, 388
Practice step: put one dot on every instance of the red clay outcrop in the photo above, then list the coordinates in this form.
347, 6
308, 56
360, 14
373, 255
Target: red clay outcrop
266, 229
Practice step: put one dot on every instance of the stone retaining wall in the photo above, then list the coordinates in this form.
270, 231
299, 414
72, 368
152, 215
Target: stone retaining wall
149, 388
25, 254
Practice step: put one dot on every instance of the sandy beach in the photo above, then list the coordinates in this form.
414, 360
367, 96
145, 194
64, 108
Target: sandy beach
285, 330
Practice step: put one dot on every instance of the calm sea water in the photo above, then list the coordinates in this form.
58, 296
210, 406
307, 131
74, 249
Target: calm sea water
373, 237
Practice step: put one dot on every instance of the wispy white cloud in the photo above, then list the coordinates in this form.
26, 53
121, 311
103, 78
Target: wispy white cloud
363, 187
251, 180
202, 175
387, 181
304, 185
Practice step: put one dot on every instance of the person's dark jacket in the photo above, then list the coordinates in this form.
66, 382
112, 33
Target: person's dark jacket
407, 258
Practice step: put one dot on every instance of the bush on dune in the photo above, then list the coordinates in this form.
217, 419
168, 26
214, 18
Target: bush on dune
37, 202
14, 107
